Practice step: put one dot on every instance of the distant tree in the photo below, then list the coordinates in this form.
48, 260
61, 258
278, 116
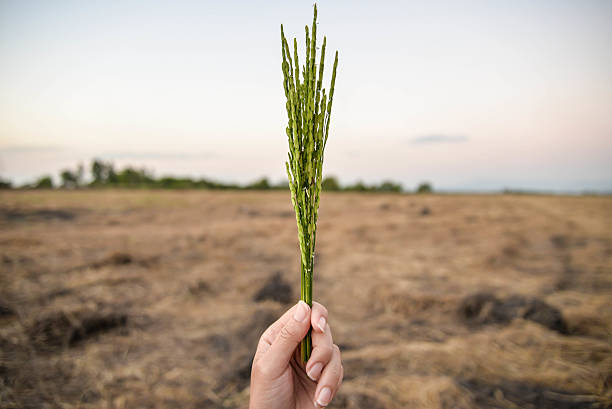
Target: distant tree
73, 179
169, 182
424, 187
43, 182
204, 183
97, 172
357, 187
103, 173
260, 184
69, 179
5, 183
389, 186
133, 177
330, 184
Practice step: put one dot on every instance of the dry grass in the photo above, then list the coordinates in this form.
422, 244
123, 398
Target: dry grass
183, 269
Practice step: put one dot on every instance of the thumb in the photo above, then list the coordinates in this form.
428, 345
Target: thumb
288, 338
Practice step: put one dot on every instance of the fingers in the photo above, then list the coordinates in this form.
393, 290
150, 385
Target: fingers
330, 380
322, 350
271, 333
318, 317
295, 324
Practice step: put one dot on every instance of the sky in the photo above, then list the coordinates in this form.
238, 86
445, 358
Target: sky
475, 95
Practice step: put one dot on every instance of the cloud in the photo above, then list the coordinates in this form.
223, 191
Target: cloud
435, 139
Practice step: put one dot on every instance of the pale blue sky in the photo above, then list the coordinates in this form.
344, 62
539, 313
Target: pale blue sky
468, 95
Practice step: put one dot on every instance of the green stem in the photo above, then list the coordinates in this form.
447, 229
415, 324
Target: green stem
306, 296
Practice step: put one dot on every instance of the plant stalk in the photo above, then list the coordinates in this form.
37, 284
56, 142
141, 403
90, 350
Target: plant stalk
308, 113
306, 296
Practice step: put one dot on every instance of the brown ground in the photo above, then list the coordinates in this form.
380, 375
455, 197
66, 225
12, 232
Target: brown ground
144, 299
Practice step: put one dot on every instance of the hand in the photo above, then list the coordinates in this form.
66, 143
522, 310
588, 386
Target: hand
279, 379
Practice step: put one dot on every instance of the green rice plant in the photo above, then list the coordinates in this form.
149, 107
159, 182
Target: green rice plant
309, 112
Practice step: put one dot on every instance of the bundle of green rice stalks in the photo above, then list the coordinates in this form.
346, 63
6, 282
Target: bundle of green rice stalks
309, 113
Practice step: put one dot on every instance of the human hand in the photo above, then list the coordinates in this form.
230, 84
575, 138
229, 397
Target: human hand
279, 379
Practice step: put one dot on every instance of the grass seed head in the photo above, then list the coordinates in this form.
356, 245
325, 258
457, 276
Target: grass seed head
308, 118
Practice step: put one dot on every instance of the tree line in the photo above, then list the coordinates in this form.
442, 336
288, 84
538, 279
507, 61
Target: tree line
102, 174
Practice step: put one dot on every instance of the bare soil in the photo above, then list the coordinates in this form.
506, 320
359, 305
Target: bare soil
156, 299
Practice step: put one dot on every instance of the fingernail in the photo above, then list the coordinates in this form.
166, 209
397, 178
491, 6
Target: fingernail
301, 311
324, 397
321, 324
315, 371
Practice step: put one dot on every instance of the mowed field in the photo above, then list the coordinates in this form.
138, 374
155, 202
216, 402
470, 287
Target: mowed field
156, 299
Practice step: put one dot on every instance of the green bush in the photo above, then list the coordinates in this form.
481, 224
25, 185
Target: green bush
424, 187
389, 186
69, 179
330, 184
260, 184
133, 177
44, 182
102, 173
357, 187
5, 184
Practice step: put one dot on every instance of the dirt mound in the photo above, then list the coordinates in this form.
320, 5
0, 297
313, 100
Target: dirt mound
484, 308
61, 329
507, 394
15, 215
115, 259
275, 289
560, 241
563, 242
544, 314
5, 309
200, 288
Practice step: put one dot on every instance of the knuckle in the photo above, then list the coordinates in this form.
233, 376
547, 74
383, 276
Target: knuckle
324, 351
320, 308
328, 349
336, 349
287, 333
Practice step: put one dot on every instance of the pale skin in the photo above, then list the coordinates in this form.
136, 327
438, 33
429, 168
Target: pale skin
279, 380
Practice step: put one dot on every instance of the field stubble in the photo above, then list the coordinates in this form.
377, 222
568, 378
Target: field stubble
156, 299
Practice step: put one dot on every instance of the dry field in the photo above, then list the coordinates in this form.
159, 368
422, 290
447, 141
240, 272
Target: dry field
156, 299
